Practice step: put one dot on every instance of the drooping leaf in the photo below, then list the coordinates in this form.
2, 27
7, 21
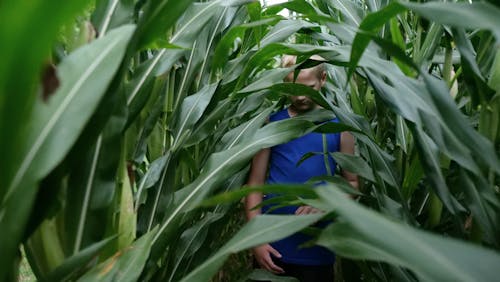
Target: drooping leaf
266, 53
473, 77
483, 203
125, 265
223, 164
262, 229
354, 164
191, 110
231, 196
480, 15
352, 13
364, 234
283, 30
150, 178
20, 56
475, 142
110, 14
267, 79
192, 239
370, 25
158, 17
84, 75
76, 262
245, 131
207, 126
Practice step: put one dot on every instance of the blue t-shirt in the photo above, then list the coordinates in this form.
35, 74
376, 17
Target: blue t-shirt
283, 169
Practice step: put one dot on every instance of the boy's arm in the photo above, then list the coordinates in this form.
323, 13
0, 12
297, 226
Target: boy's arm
257, 176
347, 147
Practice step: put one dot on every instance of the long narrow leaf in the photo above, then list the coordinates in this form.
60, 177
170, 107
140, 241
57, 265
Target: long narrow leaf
262, 229
363, 234
126, 265
85, 76
473, 15
224, 164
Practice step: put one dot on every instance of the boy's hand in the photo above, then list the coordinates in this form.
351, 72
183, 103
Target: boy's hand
307, 210
263, 254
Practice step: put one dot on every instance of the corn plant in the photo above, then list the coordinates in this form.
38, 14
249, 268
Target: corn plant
423, 162
148, 108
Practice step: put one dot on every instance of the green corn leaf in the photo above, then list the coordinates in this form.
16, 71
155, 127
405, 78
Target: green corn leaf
402, 139
430, 44
231, 196
158, 17
483, 204
494, 81
350, 10
150, 178
192, 240
192, 109
354, 164
266, 53
283, 30
412, 177
84, 76
208, 124
260, 230
396, 52
481, 147
370, 25
245, 131
73, 264
431, 166
480, 15
364, 234
479, 89
223, 164
125, 265
225, 45
297, 89
110, 14
18, 23
267, 79
140, 89
299, 6
196, 17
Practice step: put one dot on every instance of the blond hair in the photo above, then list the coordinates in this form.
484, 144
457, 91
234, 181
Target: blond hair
290, 60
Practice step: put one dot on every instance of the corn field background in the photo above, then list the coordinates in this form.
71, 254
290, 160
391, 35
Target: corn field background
127, 127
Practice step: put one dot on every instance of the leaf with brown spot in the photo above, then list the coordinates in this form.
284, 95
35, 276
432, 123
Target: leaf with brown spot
107, 268
50, 81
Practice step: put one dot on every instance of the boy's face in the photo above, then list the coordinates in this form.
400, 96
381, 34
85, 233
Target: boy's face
307, 77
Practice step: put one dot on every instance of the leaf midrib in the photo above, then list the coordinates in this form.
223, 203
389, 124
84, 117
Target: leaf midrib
28, 159
107, 19
184, 27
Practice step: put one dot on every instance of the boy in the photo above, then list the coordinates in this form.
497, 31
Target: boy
279, 165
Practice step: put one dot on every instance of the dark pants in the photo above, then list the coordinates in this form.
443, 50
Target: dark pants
305, 273
308, 273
